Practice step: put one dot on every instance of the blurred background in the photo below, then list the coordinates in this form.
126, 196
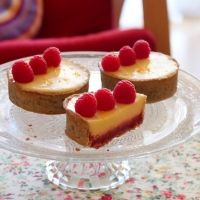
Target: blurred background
184, 18
90, 30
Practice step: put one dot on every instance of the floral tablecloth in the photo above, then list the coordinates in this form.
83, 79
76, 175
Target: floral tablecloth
174, 174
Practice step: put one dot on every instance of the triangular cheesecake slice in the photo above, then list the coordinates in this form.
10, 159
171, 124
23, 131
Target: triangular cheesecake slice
104, 125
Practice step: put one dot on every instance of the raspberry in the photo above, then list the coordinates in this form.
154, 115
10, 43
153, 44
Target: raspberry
127, 56
86, 105
105, 99
124, 92
142, 49
22, 72
110, 62
52, 56
38, 64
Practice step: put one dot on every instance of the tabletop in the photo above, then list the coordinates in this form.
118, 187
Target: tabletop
173, 174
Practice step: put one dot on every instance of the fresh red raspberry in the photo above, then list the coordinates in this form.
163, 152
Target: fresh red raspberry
86, 105
124, 92
52, 56
127, 56
38, 64
22, 72
142, 49
110, 62
105, 99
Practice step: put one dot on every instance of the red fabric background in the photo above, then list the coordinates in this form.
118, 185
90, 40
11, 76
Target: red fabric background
75, 17
105, 41
75, 25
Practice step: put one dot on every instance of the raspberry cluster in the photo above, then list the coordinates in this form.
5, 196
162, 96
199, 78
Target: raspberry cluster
24, 72
127, 56
104, 99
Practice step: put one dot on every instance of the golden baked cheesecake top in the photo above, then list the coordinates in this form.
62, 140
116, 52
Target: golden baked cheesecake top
67, 77
138, 63
156, 66
49, 74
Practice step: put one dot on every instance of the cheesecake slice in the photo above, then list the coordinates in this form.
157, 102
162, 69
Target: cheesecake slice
98, 130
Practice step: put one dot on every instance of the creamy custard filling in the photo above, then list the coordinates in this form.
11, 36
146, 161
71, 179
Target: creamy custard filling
156, 66
104, 121
68, 77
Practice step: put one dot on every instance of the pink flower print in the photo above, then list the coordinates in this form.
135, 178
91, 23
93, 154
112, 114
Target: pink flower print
180, 197
167, 194
130, 180
155, 187
68, 198
102, 174
106, 197
81, 183
25, 164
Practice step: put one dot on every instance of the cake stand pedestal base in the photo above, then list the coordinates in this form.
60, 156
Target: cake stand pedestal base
88, 175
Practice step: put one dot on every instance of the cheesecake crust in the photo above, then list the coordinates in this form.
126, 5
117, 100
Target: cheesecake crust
156, 90
37, 102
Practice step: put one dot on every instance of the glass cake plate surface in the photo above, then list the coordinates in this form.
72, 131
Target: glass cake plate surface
166, 124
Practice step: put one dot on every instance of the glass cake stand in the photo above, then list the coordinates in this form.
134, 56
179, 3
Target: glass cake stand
166, 124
